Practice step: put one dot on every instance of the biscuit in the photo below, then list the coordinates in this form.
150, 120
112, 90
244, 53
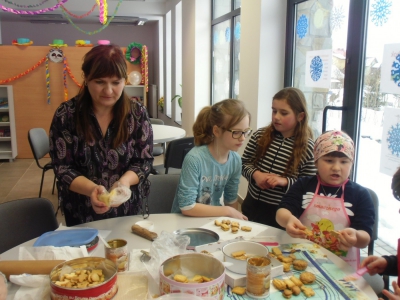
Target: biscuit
276, 251
286, 259
286, 267
279, 284
300, 264
238, 290
307, 277
224, 227
307, 291
238, 253
287, 294
234, 229
217, 222
296, 281
180, 278
289, 283
296, 290
246, 228
235, 224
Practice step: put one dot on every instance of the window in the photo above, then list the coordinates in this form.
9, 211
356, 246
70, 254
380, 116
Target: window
226, 30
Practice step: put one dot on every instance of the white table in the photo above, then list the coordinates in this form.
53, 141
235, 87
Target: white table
165, 133
121, 229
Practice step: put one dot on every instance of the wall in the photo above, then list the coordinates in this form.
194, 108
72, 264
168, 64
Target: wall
30, 93
44, 34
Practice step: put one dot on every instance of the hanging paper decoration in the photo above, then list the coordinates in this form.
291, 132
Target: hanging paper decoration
133, 53
26, 6
145, 67
65, 80
95, 31
81, 16
56, 55
23, 73
70, 73
32, 12
47, 79
103, 10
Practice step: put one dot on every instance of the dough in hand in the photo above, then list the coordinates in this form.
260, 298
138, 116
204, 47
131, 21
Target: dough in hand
107, 197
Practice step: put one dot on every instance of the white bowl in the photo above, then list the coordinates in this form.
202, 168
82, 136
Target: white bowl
251, 249
146, 224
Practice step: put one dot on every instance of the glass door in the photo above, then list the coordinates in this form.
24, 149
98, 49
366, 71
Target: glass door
379, 122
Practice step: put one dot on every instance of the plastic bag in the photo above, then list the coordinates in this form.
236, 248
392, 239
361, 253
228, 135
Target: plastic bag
165, 246
117, 196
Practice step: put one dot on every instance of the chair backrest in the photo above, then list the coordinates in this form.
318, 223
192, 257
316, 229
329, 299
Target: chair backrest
25, 219
39, 142
162, 192
156, 121
374, 237
176, 152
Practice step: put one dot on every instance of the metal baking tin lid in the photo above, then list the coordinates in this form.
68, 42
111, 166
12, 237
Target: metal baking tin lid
198, 236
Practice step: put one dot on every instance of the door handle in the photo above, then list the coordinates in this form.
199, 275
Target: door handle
325, 112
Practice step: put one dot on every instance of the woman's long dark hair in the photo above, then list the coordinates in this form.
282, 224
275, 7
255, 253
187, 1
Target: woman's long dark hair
103, 61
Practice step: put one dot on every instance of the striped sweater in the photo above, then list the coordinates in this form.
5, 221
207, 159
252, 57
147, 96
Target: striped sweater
274, 161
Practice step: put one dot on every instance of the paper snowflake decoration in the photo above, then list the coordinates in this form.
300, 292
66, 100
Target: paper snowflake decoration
316, 68
302, 26
393, 140
228, 34
395, 72
380, 12
337, 17
237, 31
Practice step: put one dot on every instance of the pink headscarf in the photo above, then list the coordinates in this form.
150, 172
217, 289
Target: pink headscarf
332, 141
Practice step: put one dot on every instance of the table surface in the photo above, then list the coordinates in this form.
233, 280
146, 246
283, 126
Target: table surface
165, 133
121, 229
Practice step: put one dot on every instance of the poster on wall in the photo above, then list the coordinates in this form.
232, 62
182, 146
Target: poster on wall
318, 69
390, 69
390, 145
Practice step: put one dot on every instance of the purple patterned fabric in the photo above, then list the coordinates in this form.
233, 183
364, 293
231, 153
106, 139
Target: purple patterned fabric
72, 157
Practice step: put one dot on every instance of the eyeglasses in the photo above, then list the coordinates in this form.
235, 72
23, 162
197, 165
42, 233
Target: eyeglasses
237, 134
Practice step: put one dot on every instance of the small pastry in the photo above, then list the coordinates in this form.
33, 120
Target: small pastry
300, 264
279, 284
307, 291
296, 290
296, 281
246, 228
217, 222
307, 277
238, 290
238, 253
287, 294
276, 251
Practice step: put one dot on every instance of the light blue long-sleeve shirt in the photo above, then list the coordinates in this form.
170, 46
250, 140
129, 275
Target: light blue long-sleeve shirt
204, 180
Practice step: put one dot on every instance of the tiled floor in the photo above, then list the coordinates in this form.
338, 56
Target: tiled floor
21, 179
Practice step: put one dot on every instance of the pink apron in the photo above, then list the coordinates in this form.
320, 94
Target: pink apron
398, 262
325, 214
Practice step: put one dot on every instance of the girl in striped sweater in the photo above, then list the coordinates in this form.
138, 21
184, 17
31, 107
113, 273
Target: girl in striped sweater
276, 156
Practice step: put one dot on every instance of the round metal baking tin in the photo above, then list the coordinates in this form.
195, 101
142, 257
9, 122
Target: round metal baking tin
198, 236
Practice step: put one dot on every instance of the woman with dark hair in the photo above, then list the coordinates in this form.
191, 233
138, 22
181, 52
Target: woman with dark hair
100, 140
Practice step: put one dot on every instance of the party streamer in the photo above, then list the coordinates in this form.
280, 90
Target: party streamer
65, 80
81, 16
98, 30
23, 73
26, 6
32, 12
47, 80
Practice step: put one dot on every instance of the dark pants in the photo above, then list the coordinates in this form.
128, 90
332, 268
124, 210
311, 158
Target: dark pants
260, 212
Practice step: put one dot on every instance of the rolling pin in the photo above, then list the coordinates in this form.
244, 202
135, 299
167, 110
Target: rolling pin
143, 232
34, 267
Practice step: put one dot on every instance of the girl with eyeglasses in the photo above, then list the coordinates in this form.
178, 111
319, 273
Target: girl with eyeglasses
209, 180
276, 156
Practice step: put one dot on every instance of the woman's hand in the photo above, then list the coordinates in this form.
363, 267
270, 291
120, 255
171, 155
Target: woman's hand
295, 228
375, 264
98, 206
395, 295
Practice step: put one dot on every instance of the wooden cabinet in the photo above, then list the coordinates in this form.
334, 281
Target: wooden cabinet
8, 139
138, 91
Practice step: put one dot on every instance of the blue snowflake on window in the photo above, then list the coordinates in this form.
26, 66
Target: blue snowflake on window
337, 17
237, 31
228, 34
396, 70
316, 68
302, 26
393, 139
380, 12
215, 37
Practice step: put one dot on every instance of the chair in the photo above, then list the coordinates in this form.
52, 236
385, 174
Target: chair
157, 150
377, 282
39, 142
162, 192
176, 152
25, 219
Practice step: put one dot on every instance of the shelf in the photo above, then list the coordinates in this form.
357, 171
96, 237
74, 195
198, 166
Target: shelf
5, 138
4, 123
4, 109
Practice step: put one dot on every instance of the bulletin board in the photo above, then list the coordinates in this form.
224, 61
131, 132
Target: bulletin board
30, 93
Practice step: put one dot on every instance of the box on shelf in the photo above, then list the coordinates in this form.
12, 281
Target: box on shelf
1, 132
3, 102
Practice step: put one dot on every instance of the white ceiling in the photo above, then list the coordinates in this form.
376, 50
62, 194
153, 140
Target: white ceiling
128, 11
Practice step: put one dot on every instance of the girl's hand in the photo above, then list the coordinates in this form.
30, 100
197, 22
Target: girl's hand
234, 213
348, 237
275, 180
395, 295
261, 180
374, 264
98, 206
295, 228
